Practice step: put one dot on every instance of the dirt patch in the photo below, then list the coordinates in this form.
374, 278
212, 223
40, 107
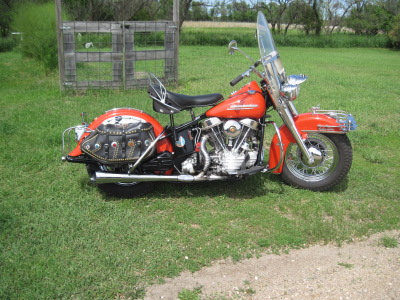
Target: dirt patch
364, 269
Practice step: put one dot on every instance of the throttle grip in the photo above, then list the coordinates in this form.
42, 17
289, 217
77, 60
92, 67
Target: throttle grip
236, 80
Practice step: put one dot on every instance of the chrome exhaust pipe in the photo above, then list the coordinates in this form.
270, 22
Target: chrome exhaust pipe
103, 177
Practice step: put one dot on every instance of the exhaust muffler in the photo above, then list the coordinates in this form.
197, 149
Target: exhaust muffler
103, 177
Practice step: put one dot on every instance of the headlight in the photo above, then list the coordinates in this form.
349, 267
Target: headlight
291, 91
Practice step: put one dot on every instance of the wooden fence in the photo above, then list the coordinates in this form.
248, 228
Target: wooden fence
116, 54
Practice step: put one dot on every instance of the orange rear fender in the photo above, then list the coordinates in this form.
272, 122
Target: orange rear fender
163, 145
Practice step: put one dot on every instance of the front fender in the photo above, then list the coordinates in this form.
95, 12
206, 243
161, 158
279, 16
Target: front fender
163, 145
305, 123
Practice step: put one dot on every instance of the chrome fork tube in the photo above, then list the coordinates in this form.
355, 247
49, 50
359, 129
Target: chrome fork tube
292, 108
287, 117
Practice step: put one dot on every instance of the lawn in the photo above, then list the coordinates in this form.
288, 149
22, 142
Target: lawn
61, 238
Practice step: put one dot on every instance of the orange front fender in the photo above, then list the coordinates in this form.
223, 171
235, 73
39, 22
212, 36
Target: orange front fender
163, 145
305, 123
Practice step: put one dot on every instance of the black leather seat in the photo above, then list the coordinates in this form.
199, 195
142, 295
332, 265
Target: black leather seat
185, 101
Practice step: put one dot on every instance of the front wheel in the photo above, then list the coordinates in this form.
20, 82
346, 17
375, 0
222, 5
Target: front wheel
332, 161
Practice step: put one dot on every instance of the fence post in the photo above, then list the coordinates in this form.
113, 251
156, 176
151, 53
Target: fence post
176, 52
61, 66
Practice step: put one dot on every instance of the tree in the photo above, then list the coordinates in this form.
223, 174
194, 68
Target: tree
219, 11
335, 12
5, 17
198, 11
318, 22
369, 19
241, 12
89, 10
275, 11
394, 33
295, 14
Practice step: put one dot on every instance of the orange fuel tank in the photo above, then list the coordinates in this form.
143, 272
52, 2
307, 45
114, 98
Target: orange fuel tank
248, 102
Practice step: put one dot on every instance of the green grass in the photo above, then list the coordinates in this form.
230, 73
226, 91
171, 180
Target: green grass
186, 294
346, 265
61, 238
389, 242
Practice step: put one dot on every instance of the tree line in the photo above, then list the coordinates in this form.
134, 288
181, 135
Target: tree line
368, 17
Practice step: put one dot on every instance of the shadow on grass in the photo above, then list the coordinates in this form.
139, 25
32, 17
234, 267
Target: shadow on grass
341, 187
248, 188
253, 186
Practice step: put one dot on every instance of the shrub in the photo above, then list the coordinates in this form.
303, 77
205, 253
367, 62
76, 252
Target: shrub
37, 22
245, 37
394, 33
7, 44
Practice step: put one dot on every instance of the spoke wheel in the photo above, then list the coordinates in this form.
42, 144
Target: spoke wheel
332, 160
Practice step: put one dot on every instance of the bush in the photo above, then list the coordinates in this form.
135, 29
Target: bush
217, 36
245, 37
394, 33
7, 44
37, 22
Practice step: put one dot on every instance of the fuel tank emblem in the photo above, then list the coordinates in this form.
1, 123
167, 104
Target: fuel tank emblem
242, 106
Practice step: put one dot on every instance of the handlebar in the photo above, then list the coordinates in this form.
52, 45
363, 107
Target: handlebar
245, 74
236, 80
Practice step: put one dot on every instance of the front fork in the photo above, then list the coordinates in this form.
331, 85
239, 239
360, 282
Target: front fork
287, 111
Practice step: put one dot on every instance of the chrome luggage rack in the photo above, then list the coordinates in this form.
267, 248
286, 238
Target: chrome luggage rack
78, 130
346, 121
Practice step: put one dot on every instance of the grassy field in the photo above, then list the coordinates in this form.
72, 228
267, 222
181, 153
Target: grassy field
61, 238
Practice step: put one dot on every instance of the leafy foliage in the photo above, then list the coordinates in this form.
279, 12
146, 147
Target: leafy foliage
370, 20
5, 17
394, 33
37, 22
7, 43
245, 37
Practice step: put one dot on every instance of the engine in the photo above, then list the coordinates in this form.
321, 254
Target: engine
227, 146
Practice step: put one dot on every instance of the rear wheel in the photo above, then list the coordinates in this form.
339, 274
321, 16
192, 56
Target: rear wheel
120, 189
332, 161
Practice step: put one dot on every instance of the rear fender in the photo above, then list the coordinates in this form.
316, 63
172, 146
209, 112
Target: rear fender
305, 123
163, 145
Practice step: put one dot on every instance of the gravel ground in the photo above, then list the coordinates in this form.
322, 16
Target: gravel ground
363, 269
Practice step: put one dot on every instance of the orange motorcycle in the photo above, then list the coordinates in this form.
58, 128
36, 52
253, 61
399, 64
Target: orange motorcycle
126, 150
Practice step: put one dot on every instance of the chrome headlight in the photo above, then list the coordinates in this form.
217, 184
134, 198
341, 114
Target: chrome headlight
291, 91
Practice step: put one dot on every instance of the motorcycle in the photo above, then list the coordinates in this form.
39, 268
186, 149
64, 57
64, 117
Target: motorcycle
126, 150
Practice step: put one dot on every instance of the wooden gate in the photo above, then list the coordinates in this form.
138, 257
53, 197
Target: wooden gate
117, 54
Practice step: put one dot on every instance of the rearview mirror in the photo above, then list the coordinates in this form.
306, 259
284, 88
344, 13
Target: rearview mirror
232, 47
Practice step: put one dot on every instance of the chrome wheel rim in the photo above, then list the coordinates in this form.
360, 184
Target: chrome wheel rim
324, 164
